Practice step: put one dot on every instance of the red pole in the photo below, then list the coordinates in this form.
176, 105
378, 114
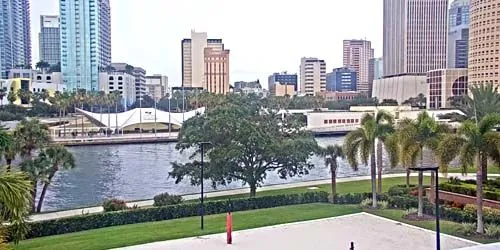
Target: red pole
229, 227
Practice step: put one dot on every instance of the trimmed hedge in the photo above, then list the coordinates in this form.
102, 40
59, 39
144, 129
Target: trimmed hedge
399, 190
356, 198
470, 191
100, 220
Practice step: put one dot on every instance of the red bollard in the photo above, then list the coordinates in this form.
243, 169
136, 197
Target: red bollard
229, 228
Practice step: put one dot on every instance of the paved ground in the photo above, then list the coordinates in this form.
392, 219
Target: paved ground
365, 230
73, 212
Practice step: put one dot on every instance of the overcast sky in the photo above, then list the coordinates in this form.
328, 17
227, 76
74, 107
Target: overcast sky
264, 36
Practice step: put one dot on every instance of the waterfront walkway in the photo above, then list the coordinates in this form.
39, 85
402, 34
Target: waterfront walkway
146, 203
117, 139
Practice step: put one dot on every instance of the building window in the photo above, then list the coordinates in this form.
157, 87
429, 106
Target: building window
325, 121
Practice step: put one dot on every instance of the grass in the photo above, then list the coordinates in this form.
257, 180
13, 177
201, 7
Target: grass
447, 227
491, 170
363, 186
134, 234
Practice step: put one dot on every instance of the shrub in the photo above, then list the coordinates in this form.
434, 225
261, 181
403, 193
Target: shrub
411, 210
100, 220
468, 190
454, 180
165, 199
467, 229
356, 198
366, 203
399, 190
383, 204
492, 230
488, 211
114, 205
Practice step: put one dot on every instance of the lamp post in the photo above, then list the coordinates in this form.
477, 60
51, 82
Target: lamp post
436, 199
202, 208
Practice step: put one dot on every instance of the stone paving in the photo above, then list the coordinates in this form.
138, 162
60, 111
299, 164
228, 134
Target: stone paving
365, 230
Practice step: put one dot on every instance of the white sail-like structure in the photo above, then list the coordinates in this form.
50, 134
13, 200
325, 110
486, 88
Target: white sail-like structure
139, 116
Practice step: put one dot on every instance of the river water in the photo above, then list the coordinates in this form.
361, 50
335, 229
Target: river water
140, 171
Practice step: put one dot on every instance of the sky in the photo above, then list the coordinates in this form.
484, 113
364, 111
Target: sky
264, 36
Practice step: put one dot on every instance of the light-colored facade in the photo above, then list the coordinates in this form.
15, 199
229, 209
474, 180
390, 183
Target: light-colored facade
21, 73
399, 88
15, 37
49, 40
216, 71
47, 81
312, 76
14, 85
193, 58
282, 84
119, 81
357, 56
484, 42
157, 86
415, 36
458, 34
340, 96
444, 84
85, 42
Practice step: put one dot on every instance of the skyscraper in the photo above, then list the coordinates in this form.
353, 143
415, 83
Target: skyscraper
378, 68
49, 40
15, 37
216, 65
414, 36
484, 47
458, 34
357, 56
85, 42
312, 76
193, 58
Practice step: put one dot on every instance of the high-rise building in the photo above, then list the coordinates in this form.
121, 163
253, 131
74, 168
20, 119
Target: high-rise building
283, 84
15, 37
342, 80
157, 86
357, 56
138, 73
216, 65
378, 68
458, 34
484, 46
312, 76
49, 40
193, 58
414, 36
85, 42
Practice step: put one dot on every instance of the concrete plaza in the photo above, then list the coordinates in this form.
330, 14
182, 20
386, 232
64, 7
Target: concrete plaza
365, 230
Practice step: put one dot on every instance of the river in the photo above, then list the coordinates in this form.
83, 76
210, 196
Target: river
140, 171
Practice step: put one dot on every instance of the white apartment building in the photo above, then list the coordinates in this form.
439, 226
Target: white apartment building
193, 58
312, 76
120, 81
50, 82
157, 86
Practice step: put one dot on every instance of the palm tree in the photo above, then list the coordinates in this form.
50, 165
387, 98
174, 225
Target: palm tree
42, 65
362, 142
12, 97
15, 189
116, 99
415, 136
58, 157
474, 142
483, 99
24, 95
35, 169
331, 153
6, 147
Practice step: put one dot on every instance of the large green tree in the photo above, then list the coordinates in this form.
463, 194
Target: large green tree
331, 153
246, 144
415, 136
474, 143
362, 142
483, 99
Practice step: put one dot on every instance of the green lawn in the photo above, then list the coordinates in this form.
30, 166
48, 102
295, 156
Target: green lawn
491, 170
447, 227
363, 186
127, 235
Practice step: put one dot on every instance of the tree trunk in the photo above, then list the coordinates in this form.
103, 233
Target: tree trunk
9, 164
333, 169
483, 162
253, 189
421, 185
374, 177
379, 166
33, 197
42, 196
484, 169
408, 172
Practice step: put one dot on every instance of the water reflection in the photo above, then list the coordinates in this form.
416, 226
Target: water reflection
135, 172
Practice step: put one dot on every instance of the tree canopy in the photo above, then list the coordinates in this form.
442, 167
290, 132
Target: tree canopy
246, 143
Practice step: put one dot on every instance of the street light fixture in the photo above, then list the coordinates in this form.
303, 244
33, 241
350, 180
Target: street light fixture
436, 199
202, 208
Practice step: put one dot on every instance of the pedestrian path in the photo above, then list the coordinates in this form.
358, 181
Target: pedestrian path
145, 203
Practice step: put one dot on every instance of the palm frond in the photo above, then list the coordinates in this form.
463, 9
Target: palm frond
448, 149
488, 123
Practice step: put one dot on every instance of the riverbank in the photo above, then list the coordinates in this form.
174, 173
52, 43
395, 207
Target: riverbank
268, 190
118, 139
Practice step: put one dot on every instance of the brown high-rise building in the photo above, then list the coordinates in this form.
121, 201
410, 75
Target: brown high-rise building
484, 42
216, 70
357, 56
414, 36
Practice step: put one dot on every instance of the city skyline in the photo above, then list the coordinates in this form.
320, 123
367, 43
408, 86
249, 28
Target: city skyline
265, 35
